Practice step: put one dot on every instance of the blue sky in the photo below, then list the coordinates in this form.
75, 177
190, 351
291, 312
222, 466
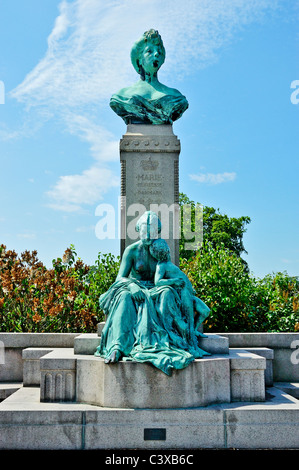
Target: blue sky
235, 62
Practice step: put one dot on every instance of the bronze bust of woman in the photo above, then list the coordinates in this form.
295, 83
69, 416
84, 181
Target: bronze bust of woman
148, 101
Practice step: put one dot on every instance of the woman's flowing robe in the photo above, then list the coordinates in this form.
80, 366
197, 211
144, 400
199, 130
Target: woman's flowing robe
152, 331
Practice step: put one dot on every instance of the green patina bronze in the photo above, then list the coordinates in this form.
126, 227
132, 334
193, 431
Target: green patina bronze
148, 101
152, 313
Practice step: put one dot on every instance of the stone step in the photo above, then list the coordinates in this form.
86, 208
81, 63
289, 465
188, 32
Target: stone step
214, 344
7, 389
291, 388
58, 376
31, 364
25, 423
247, 376
268, 354
86, 343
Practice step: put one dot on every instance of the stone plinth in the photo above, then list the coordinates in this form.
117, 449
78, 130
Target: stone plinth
58, 376
247, 376
86, 343
31, 365
219, 378
135, 385
214, 344
149, 156
285, 350
268, 354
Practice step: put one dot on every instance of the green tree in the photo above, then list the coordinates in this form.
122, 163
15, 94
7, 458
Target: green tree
217, 229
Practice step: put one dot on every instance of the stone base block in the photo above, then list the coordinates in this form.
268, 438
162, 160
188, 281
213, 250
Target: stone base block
11, 366
58, 376
268, 354
86, 343
100, 327
214, 344
31, 365
136, 385
247, 376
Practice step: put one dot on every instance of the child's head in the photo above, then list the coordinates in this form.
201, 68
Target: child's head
160, 250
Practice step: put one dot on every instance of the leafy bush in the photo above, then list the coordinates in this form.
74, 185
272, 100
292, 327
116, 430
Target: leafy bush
278, 302
65, 297
62, 299
238, 301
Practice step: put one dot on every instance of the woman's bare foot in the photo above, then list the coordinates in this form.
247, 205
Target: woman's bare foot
114, 357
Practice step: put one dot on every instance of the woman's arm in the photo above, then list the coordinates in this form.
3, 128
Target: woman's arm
159, 274
126, 263
124, 271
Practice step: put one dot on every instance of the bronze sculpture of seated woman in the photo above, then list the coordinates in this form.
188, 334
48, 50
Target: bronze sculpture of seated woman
147, 323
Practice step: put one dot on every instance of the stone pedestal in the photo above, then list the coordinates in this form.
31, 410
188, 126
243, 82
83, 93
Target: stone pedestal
58, 376
149, 156
135, 385
31, 365
247, 376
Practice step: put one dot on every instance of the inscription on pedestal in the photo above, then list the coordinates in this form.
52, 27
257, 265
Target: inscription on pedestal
148, 181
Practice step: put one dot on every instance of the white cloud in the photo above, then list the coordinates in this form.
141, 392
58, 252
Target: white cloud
73, 191
214, 178
25, 130
103, 145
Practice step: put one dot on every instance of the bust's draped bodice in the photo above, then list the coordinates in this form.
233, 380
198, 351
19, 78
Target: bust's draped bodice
137, 109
